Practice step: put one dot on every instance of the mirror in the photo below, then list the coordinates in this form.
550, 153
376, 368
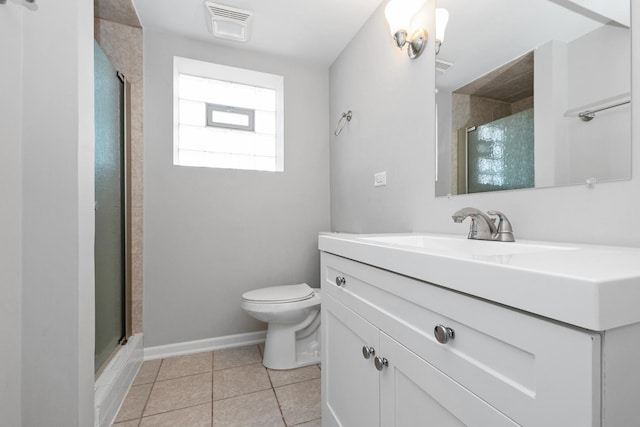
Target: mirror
533, 93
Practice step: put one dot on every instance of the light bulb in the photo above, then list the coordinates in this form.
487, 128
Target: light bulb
400, 12
442, 18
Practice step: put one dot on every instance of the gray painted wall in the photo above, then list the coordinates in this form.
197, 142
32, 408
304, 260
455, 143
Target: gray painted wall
48, 189
10, 212
392, 103
392, 99
212, 234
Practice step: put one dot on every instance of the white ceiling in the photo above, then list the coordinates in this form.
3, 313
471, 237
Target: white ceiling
313, 30
483, 35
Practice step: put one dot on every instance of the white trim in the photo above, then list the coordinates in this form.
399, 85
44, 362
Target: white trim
209, 344
113, 384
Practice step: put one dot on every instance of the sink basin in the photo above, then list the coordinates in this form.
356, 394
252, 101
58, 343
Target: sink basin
588, 286
430, 243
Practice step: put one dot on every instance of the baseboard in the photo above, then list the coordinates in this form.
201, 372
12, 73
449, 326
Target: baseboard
114, 382
209, 344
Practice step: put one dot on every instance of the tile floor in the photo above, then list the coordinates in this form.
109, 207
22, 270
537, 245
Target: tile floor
221, 388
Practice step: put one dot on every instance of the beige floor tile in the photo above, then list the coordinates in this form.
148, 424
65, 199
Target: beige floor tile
239, 356
148, 372
134, 403
299, 402
261, 348
241, 380
249, 410
179, 393
182, 366
195, 416
290, 376
132, 423
312, 423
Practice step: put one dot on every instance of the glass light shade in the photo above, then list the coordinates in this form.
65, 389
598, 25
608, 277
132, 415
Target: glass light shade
442, 18
400, 12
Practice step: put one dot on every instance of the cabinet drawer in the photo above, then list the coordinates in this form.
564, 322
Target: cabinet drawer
535, 371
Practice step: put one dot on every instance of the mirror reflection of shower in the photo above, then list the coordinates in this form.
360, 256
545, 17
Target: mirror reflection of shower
493, 130
569, 61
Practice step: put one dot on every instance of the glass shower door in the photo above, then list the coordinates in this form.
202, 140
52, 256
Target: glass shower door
109, 209
500, 154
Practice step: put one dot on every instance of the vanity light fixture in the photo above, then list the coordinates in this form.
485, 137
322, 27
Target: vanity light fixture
442, 18
399, 14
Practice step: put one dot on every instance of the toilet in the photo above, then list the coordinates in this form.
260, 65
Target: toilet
293, 315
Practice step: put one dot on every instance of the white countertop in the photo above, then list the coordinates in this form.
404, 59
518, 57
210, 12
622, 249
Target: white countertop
589, 286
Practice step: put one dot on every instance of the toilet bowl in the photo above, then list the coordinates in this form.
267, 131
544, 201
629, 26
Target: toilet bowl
293, 315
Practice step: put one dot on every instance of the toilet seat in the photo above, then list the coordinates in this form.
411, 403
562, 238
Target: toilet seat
279, 294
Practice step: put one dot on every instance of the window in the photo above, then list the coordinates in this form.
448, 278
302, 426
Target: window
227, 117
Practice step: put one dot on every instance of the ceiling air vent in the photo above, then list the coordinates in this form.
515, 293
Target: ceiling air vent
228, 22
443, 66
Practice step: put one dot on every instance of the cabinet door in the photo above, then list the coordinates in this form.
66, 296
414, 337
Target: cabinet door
536, 372
350, 382
414, 393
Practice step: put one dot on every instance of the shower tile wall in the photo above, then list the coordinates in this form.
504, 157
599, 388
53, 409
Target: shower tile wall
123, 45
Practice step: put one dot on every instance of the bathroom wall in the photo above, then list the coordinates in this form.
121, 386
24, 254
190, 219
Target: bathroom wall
598, 148
47, 204
212, 234
392, 130
10, 213
392, 101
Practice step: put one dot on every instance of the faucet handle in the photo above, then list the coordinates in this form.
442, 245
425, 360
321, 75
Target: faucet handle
505, 230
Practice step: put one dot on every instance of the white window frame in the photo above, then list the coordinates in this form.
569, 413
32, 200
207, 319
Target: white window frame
230, 74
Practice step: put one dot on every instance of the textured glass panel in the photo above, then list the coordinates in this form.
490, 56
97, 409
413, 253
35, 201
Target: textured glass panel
226, 161
500, 154
266, 122
193, 113
109, 212
201, 145
226, 141
265, 99
226, 93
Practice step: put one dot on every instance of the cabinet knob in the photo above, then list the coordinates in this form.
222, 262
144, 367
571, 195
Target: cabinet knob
340, 280
367, 352
443, 334
380, 362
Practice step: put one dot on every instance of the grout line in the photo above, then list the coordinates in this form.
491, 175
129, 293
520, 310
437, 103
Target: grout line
183, 376
295, 382
272, 388
304, 422
176, 409
260, 350
240, 366
284, 421
153, 384
246, 394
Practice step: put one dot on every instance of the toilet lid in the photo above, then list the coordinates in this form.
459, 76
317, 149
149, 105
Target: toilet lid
279, 294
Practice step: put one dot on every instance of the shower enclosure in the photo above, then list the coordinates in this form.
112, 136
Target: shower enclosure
497, 155
111, 219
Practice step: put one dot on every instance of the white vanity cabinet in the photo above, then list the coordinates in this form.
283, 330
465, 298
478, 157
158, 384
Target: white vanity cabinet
501, 367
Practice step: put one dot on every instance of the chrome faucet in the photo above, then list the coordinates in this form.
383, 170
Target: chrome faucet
483, 227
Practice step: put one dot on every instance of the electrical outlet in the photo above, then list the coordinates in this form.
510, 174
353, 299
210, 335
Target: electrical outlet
380, 179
